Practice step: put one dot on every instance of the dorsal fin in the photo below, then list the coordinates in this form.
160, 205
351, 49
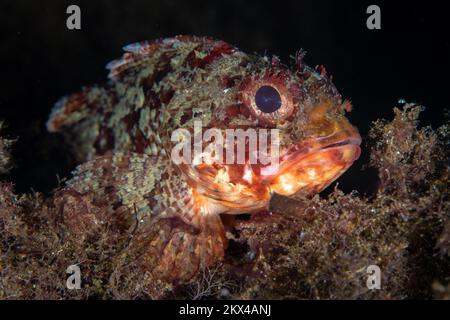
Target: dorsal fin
139, 52
135, 54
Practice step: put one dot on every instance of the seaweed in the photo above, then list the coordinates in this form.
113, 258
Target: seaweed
5, 157
316, 247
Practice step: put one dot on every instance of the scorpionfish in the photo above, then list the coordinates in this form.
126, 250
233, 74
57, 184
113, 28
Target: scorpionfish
121, 135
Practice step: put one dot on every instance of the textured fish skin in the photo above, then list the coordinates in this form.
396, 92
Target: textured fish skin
121, 134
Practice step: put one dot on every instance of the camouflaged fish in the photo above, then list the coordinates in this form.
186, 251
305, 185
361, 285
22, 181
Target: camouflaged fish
121, 132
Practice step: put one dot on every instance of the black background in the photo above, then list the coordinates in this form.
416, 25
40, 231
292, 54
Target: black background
42, 60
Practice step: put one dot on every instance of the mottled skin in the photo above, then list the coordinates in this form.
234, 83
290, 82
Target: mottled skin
121, 132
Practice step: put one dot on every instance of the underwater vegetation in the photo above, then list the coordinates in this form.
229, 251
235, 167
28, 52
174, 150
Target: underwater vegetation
5, 158
315, 247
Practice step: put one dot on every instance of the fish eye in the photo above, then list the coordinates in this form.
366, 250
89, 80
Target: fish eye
267, 99
270, 99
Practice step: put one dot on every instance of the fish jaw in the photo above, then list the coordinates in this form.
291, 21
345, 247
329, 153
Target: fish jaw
316, 171
311, 167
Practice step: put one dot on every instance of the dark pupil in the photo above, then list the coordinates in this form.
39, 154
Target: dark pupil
267, 99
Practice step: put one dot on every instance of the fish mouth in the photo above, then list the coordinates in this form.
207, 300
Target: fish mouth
349, 141
302, 149
312, 166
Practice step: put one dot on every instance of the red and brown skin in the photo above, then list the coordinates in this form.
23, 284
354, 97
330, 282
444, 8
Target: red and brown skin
121, 132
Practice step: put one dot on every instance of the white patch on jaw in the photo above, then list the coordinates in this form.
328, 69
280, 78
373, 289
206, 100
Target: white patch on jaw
312, 173
269, 170
248, 174
287, 184
222, 177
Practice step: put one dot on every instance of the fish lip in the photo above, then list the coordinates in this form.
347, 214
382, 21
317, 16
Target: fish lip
299, 151
355, 140
306, 148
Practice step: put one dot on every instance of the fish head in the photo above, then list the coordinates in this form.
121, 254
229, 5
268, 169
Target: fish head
310, 142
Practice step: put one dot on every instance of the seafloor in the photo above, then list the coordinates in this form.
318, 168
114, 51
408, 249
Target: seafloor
306, 248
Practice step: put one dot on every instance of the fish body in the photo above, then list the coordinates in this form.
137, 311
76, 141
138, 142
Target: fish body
122, 134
